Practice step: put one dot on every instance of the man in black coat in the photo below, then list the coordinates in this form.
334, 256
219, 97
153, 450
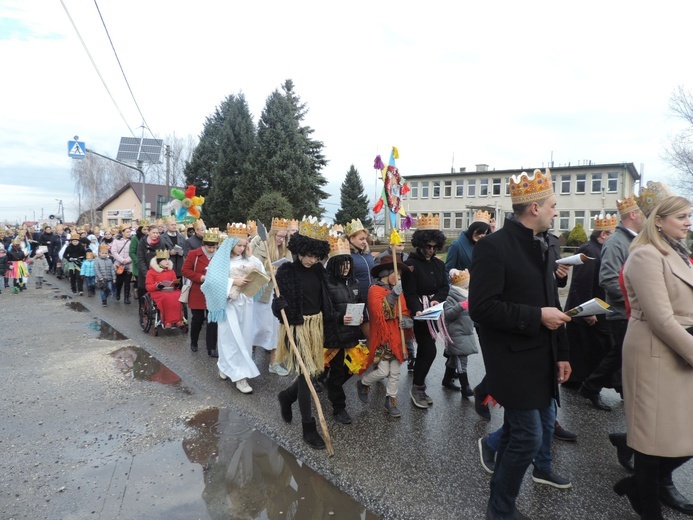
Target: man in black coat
514, 300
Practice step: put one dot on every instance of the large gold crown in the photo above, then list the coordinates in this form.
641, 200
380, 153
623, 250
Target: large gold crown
338, 245
142, 222
337, 229
252, 227
199, 223
312, 228
211, 235
162, 254
605, 223
429, 221
525, 188
627, 205
279, 224
159, 222
651, 195
353, 227
237, 230
482, 216
293, 224
459, 278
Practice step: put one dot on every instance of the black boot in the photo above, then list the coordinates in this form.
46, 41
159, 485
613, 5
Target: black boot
449, 379
311, 435
285, 403
126, 293
670, 496
464, 383
628, 487
623, 452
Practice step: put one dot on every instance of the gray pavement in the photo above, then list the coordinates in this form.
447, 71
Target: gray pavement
68, 414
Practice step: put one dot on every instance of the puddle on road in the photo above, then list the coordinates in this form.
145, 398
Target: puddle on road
61, 297
142, 366
248, 475
105, 330
76, 306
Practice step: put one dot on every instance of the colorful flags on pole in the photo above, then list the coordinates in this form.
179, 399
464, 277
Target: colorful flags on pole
394, 186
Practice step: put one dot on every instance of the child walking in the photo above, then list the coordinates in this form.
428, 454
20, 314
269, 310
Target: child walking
384, 302
105, 273
3, 265
74, 256
40, 267
88, 274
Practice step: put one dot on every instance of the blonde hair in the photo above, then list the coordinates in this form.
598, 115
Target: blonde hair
650, 234
274, 250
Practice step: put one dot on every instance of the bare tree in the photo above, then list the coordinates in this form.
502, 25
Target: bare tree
679, 153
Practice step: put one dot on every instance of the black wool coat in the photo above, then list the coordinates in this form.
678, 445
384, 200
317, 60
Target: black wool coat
509, 284
429, 278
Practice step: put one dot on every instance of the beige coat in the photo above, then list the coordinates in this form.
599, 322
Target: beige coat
658, 353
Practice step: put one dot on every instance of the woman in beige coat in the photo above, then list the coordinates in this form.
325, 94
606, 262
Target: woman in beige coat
658, 358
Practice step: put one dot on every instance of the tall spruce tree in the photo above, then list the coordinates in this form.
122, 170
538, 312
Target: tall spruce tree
235, 141
353, 200
285, 158
204, 157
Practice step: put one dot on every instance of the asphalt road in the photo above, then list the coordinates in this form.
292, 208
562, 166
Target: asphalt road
75, 432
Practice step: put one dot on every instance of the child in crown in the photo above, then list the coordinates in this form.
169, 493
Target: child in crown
164, 288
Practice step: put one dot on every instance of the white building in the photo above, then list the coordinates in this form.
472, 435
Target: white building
582, 193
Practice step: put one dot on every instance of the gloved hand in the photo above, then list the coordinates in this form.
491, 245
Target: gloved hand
278, 304
406, 322
465, 305
160, 286
397, 289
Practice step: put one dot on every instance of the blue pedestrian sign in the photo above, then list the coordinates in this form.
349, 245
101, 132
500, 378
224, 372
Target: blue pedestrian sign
76, 149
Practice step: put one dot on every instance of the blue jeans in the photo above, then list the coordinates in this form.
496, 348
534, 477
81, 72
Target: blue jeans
106, 290
543, 458
522, 438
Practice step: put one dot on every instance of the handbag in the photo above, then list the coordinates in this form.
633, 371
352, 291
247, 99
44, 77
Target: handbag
185, 290
120, 269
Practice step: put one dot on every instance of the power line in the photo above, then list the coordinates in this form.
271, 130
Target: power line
103, 81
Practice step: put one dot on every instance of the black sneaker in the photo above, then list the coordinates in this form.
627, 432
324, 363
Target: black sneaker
550, 479
342, 416
488, 456
560, 433
362, 391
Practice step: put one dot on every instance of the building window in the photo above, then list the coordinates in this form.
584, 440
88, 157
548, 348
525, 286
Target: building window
459, 188
564, 220
424, 189
436, 190
483, 187
580, 182
447, 189
112, 222
565, 184
596, 183
496, 187
580, 218
447, 220
471, 188
507, 186
459, 220
612, 182
593, 215
414, 193
160, 203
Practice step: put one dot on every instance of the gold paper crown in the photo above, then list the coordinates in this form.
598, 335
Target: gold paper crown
353, 227
199, 222
312, 228
251, 225
169, 220
429, 221
143, 222
526, 188
237, 230
211, 235
627, 205
293, 223
337, 228
482, 216
605, 223
651, 195
162, 254
279, 224
459, 278
126, 226
338, 245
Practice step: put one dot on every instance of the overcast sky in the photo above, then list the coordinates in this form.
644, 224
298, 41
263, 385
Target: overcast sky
501, 83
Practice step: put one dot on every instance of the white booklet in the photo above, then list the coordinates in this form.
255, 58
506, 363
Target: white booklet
432, 313
281, 261
589, 308
577, 259
355, 310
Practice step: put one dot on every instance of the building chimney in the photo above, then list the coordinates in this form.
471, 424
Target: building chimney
482, 167
463, 169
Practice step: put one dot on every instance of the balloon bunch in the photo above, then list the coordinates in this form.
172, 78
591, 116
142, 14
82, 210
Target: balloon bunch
185, 204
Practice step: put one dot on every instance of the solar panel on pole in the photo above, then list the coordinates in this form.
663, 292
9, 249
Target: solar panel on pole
140, 150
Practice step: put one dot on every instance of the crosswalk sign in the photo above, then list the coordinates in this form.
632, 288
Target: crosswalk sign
76, 149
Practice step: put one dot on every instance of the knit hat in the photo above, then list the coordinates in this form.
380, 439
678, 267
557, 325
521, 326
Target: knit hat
39, 253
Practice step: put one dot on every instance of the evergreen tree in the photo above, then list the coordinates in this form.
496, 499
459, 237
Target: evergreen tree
269, 206
577, 236
234, 143
284, 157
198, 171
353, 200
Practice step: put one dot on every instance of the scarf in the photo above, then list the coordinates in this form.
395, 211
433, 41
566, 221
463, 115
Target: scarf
152, 242
679, 246
216, 284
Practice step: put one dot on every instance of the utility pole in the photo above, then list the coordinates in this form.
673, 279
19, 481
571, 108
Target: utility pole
168, 171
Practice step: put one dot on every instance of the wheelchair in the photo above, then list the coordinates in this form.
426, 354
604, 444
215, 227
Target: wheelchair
150, 317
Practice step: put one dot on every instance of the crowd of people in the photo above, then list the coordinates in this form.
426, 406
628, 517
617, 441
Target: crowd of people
327, 310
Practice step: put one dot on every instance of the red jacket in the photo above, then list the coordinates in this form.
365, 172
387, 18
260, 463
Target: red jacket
194, 267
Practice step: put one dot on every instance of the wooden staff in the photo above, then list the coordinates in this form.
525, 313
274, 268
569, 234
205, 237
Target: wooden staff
262, 233
394, 241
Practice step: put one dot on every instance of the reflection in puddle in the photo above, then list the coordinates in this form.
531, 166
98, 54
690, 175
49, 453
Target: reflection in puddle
76, 306
105, 330
247, 475
61, 297
140, 365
